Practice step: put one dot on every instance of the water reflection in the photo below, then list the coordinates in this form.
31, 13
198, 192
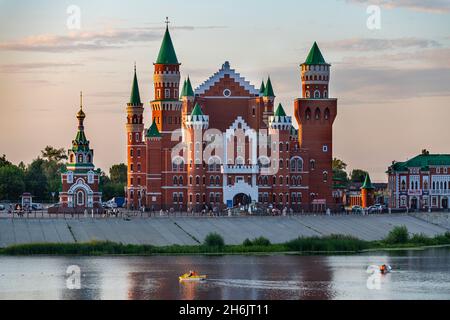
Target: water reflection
416, 275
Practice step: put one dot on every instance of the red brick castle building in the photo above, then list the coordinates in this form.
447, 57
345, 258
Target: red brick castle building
227, 143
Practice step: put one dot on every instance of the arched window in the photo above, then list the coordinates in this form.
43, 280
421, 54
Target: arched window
80, 198
175, 181
317, 94
299, 165
190, 180
299, 180
180, 180
287, 181
274, 182
197, 180
281, 146
287, 146
325, 94
265, 180
197, 198
80, 158
307, 94
280, 179
325, 176
308, 114
312, 164
71, 158
293, 165
326, 114
317, 114
175, 197
281, 164
211, 180
131, 152
204, 180
217, 180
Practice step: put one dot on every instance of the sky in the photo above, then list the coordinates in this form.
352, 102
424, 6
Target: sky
392, 82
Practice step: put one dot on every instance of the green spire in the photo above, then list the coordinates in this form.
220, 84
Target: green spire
135, 98
167, 53
280, 111
197, 111
183, 91
153, 131
262, 88
187, 89
268, 90
367, 183
315, 56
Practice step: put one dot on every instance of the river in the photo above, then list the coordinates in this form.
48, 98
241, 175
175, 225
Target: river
416, 274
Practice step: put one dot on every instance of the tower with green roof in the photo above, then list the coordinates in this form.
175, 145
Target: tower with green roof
268, 98
315, 113
80, 183
367, 193
135, 142
166, 105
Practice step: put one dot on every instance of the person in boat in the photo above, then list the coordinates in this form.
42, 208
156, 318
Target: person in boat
383, 269
192, 273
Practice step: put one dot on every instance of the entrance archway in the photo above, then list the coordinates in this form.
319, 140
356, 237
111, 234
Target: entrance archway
445, 203
241, 199
414, 203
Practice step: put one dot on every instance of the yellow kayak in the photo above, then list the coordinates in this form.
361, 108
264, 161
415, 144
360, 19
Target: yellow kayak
192, 277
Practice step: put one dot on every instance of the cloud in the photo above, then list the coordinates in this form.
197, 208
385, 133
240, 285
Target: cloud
374, 44
34, 67
76, 41
431, 6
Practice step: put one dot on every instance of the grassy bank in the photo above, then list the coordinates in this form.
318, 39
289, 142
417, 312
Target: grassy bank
214, 244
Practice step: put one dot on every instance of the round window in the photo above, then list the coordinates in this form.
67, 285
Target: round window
226, 92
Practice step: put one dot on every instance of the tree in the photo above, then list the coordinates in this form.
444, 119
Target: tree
339, 172
358, 175
12, 183
36, 180
51, 154
4, 161
118, 173
338, 164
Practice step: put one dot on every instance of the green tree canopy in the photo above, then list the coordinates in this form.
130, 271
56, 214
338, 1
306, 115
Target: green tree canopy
358, 175
12, 183
52, 154
118, 173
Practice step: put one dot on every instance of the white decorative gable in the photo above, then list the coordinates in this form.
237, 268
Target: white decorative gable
205, 86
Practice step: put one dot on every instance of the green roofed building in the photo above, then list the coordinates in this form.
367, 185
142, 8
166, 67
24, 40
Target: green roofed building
421, 182
80, 183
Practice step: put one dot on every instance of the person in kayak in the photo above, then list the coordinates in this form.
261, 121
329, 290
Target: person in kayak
383, 269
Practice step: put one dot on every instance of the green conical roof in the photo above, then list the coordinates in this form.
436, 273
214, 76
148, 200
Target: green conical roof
187, 90
268, 91
280, 111
197, 111
153, 131
135, 98
367, 183
315, 56
262, 88
183, 90
167, 53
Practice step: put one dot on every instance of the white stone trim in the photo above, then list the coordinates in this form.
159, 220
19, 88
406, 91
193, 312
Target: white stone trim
220, 74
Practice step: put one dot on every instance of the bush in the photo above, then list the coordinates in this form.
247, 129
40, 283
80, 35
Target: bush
422, 239
261, 241
327, 243
214, 240
398, 235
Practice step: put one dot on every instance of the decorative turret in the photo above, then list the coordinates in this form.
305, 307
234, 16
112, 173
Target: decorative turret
80, 156
280, 120
315, 74
268, 90
262, 88
153, 132
166, 106
135, 98
367, 193
197, 119
187, 90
